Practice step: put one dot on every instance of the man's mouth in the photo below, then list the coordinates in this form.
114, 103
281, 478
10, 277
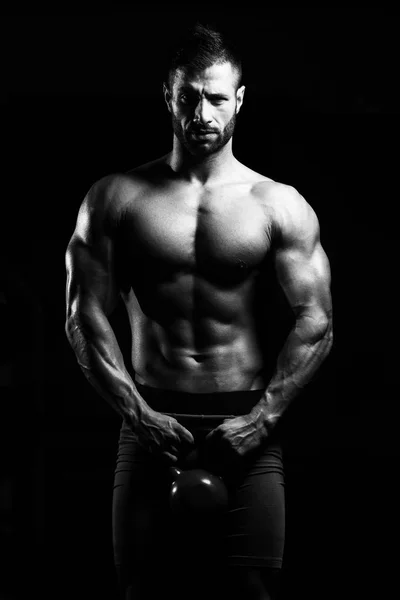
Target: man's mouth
202, 132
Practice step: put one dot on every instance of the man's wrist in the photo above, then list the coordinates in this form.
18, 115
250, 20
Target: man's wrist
265, 416
271, 419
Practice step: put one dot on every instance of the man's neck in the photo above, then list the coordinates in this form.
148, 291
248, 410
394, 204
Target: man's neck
202, 169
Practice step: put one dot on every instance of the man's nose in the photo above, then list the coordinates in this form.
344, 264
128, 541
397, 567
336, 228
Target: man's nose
202, 112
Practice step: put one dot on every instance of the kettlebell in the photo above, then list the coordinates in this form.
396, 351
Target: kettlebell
196, 491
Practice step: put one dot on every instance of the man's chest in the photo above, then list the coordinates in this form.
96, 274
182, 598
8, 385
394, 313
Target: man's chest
208, 232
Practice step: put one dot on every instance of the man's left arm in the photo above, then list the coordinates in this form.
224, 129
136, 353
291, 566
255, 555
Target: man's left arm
303, 272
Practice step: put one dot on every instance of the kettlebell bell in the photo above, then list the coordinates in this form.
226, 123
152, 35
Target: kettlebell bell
196, 491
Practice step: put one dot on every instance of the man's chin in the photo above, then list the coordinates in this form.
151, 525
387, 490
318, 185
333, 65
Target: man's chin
201, 149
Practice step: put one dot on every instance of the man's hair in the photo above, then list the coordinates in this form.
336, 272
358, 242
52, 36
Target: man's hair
200, 47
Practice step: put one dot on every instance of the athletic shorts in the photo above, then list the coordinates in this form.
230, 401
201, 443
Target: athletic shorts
150, 542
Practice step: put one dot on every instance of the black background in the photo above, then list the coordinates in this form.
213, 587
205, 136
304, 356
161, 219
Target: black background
81, 97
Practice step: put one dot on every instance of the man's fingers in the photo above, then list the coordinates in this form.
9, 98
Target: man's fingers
185, 436
168, 458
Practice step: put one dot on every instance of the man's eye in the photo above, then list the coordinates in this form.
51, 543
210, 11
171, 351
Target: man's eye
184, 99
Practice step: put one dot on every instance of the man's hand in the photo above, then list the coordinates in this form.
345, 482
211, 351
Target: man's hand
235, 438
163, 436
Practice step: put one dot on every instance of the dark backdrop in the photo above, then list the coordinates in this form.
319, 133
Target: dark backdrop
82, 97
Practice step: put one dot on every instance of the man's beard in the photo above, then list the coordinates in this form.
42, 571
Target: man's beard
199, 148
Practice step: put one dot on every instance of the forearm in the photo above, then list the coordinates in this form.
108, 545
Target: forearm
304, 351
100, 358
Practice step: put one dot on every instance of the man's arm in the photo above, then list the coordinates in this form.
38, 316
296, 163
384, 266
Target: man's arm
91, 296
303, 272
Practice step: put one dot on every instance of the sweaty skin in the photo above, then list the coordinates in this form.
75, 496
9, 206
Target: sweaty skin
186, 254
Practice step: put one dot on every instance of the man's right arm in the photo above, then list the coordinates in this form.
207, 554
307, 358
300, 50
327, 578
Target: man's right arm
91, 296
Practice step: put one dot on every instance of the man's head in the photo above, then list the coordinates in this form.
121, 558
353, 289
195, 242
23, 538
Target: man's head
203, 90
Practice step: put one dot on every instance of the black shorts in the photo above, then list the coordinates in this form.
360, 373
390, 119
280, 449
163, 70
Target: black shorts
146, 537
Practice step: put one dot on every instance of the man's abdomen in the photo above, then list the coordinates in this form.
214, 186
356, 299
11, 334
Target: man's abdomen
231, 361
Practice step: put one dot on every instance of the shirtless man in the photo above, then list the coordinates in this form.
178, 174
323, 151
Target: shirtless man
184, 240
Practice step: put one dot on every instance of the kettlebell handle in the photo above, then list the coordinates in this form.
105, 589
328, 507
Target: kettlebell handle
175, 473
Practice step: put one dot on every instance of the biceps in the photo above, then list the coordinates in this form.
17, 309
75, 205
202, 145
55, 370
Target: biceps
90, 278
305, 279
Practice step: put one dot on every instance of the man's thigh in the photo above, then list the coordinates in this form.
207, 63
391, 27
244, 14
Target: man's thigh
253, 583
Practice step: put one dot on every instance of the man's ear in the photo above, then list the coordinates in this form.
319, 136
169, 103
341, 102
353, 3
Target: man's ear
167, 96
239, 98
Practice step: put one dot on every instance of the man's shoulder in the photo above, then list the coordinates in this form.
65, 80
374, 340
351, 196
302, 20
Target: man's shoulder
113, 189
287, 207
277, 194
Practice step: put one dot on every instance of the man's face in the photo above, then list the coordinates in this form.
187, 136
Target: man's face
204, 106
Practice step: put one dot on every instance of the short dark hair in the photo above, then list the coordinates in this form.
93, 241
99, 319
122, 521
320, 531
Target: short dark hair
200, 47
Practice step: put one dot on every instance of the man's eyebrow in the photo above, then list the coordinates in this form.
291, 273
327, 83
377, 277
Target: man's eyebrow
186, 87
216, 95
189, 89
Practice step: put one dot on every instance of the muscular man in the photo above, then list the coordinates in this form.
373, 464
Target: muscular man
185, 241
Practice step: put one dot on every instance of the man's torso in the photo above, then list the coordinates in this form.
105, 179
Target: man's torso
190, 260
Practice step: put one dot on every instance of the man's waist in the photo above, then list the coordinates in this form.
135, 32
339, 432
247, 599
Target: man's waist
206, 404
